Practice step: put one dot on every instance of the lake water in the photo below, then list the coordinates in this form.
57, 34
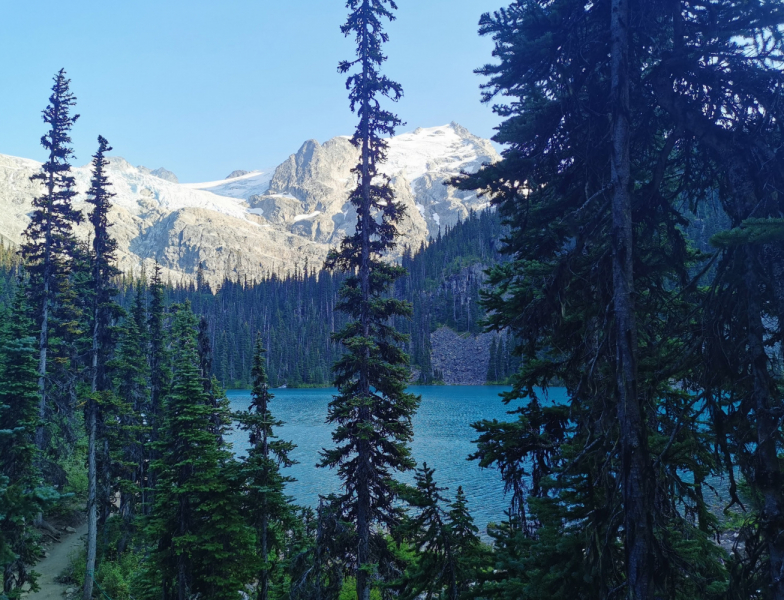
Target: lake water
442, 438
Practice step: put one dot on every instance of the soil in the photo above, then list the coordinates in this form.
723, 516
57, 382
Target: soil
59, 557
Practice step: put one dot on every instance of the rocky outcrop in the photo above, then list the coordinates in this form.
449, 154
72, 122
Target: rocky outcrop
237, 173
161, 173
462, 359
259, 222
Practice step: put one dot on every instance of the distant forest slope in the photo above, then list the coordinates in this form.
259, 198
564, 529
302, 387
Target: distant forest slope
295, 315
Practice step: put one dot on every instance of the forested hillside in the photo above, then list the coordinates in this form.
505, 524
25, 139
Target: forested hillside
443, 283
295, 313
296, 319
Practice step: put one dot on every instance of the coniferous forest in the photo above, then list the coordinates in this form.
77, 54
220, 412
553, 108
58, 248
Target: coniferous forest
633, 254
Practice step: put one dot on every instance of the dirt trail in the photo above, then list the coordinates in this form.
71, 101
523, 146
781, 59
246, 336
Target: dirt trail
54, 564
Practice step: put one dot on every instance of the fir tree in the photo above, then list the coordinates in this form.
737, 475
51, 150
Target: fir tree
49, 241
373, 411
203, 544
468, 555
160, 372
104, 311
447, 549
427, 532
581, 207
270, 510
22, 495
728, 65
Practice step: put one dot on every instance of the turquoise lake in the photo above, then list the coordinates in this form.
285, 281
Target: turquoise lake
442, 437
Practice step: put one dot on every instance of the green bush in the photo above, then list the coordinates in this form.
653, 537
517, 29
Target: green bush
349, 591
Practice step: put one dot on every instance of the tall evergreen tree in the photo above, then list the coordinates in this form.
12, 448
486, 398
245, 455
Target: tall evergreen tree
372, 411
726, 63
269, 508
636, 472
129, 436
160, 371
204, 546
49, 241
22, 494
590, 222
104, 311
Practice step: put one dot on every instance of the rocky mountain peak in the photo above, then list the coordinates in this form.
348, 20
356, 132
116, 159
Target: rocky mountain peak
161, 173
258, 222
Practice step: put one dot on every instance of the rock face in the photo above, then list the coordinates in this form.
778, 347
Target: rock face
237, 173
259, 222
161, 173
463, 359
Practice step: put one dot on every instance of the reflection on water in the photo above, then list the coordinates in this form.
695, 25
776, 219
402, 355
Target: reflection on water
442, 438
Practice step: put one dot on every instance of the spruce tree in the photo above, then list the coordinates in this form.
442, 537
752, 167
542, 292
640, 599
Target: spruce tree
104, 312
49, 240
22, 494
372, 411
447, 549
427, 532
582, 210
160, 371
728, 65
204, 546
269, 509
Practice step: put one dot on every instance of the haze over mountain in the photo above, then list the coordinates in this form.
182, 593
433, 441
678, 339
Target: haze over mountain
258, 222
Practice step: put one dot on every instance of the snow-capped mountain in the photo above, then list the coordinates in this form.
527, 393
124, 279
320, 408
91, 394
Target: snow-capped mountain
264, 221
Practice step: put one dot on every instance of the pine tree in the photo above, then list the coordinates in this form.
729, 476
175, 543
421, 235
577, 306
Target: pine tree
427, 532
22, 494
448, 552
571, 468
468, 555
372, 411
269, 509
104, 312
160, 371
129, 438
727, 62
49, 241
203, 544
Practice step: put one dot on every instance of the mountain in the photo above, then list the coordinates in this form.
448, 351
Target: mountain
162, 173
260, 222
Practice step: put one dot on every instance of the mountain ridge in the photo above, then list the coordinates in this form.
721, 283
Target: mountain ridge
266, 221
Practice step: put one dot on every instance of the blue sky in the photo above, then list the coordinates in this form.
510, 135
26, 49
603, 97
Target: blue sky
203, 87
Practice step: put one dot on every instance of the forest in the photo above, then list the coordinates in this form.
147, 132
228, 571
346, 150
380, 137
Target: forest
633, 255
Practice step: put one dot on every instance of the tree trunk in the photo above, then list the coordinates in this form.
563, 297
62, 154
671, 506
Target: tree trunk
768, 476
638, 526
92, 497
363, 483
264, 579
92, 471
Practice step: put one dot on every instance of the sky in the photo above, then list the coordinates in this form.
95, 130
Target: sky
203, 87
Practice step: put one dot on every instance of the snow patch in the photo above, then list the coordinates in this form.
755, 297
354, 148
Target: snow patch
310, 216
445, 149
241, 188
421, 209
437, 219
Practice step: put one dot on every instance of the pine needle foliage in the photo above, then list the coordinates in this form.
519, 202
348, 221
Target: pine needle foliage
448, 554
562, 464
22, 493
204, 545
268, 508
372, 411
49, 243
